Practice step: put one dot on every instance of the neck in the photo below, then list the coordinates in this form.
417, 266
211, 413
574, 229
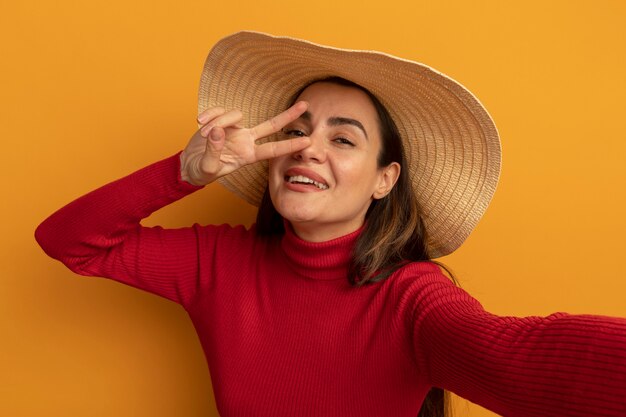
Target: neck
328, 260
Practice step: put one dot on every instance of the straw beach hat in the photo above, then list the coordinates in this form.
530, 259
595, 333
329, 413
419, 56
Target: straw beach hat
451, 143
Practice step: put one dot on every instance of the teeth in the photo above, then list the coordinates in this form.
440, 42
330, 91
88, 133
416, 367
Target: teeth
307, 180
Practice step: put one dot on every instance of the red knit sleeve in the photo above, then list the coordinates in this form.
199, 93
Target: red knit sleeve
560, 365
100, 234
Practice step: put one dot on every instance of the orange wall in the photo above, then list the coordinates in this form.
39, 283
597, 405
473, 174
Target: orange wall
92, 90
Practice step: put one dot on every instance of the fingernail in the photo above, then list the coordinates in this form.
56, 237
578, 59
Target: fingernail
215, 135
203, 118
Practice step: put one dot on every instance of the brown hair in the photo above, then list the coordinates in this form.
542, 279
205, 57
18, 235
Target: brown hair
393, 234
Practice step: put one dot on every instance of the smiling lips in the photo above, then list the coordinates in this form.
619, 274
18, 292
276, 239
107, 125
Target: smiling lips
307, 178
300, 179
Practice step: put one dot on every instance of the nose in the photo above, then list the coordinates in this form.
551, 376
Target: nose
315, 152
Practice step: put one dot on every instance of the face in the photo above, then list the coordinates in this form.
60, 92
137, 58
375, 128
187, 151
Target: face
325, 189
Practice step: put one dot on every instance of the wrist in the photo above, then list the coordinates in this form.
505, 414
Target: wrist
183, 174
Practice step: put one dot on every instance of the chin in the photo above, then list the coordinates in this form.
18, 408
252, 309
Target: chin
296, 208
296, 214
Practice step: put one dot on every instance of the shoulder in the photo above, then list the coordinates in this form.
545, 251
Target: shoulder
419, 275
421, 287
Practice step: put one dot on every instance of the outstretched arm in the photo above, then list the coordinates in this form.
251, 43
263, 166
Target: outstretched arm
560, 365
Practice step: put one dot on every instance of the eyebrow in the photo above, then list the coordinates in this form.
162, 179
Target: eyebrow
338, 121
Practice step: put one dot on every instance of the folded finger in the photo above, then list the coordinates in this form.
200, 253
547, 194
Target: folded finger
210, 114
230, 118
279, 121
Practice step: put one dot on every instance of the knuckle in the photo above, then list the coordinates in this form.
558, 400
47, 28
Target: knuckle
275, 123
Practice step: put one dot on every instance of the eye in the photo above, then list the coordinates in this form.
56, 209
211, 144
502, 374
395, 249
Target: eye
293, 132
343, 141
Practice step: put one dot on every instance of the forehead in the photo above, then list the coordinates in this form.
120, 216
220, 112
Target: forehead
340, 100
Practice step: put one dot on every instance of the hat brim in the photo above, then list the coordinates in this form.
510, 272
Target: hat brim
451, 143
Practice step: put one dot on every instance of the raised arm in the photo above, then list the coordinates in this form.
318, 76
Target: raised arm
100, 233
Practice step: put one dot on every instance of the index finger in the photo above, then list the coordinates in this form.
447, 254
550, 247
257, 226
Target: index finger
279, 121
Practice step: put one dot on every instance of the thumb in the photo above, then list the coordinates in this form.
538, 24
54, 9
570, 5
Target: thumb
216, 139
214, 145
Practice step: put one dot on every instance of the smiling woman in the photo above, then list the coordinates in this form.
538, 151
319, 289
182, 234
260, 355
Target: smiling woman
330, 305
395, 231
342, 157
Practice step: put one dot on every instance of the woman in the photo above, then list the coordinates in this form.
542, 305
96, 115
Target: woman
329, 305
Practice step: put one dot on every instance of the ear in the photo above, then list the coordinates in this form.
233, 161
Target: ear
387, 179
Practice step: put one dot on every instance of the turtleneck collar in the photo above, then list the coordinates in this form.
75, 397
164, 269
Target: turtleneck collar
327, 260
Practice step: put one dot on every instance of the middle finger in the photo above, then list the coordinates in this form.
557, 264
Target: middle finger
279, 121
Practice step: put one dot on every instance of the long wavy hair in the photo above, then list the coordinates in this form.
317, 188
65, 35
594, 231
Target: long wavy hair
394, 232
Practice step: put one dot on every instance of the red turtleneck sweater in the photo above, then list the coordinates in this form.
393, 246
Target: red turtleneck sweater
286, 335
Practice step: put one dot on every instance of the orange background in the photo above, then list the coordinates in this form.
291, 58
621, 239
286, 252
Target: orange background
92, 90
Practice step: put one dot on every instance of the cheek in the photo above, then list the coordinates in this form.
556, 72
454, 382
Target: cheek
357, 176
